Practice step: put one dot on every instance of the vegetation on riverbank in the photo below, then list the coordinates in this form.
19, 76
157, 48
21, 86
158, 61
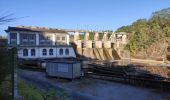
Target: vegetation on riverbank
5, 72
144, 32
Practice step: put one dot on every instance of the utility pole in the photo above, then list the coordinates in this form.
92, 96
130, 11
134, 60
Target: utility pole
13, 72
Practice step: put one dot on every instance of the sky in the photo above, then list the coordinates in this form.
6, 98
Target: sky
78, 14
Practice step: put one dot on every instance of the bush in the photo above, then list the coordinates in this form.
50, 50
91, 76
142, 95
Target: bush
6, 85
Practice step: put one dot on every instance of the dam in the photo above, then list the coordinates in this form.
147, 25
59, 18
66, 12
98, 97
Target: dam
98, 45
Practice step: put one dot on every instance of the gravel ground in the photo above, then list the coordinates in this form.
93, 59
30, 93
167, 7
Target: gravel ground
93, 89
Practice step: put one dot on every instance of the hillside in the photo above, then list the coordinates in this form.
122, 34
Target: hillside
149, 38
157, 50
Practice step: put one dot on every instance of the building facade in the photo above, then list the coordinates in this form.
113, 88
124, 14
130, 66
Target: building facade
37, 42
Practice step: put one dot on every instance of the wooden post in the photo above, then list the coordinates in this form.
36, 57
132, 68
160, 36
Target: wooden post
13, 57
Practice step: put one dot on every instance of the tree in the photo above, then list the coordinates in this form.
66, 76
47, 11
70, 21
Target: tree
6, 18
124, 29
5, 67
144, 32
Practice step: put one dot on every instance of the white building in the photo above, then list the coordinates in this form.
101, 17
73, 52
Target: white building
39, 43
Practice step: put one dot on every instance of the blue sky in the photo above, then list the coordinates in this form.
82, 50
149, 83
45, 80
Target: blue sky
79, 14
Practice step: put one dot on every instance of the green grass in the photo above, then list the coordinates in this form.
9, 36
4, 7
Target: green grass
6, 89
29, 92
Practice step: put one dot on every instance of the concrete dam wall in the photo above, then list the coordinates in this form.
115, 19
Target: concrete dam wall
103, 46
98, 53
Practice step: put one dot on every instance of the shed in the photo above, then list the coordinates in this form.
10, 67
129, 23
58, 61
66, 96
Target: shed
64, 69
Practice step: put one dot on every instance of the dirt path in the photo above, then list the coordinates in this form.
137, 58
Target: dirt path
92, 89
43, 83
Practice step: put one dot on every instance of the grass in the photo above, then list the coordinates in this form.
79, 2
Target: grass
6, 89
30, 92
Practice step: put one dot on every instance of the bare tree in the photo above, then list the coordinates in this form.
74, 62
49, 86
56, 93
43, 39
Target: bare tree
6, 18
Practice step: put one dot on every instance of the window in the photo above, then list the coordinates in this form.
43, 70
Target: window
57, 38
42, 37
32, 52
25, 52
24, 36
13, 35
61, 51
67, 51
51, 52
31, 36
63, 38
44, 52
48, 38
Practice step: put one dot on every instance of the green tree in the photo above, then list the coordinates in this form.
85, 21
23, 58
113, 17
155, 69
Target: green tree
143, 32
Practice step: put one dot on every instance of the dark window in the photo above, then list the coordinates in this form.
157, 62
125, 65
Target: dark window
112, 45
25, 52
67, 51
27, 39
32, 37
63, 38
82, 45
25, 36
57, 38
13, 35
51, 52
61, 51
44, 52
102, 45
32, 52
93, 45
48, 38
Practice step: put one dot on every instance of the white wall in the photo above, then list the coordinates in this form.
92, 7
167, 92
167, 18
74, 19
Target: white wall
47, 56
71, 52
40, 55
20, 53
8, 37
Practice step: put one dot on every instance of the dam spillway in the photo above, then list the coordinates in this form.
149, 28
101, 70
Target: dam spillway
98, 53
99, 46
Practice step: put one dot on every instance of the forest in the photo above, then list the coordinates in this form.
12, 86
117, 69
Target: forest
143, 32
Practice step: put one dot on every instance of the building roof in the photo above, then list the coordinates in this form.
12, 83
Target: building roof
68, 60
35, 29
64, 45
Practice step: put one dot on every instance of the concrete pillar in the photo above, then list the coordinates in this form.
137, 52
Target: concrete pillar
98, 44
105, 38
37, 38
53, 39
96, 36
86, 36
68, 39
78, 43
124, 39
107, 44
76, 36
88, 44
117, 44
79, 51
18, 38
8, 37
113, 37
37, 52
29, 52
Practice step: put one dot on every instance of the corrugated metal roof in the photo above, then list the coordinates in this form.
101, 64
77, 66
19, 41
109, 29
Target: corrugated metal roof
35, 29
